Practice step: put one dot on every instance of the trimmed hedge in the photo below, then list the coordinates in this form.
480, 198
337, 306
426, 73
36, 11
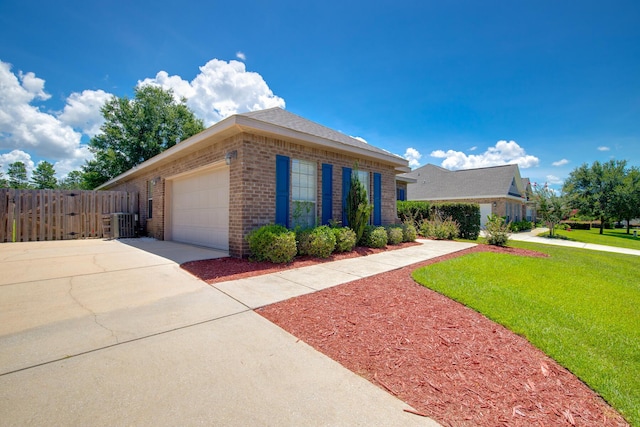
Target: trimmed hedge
374, 237
345, 239
394, 234
578, 225
467, 215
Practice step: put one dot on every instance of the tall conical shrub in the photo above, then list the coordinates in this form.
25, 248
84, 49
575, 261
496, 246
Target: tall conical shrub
358, 207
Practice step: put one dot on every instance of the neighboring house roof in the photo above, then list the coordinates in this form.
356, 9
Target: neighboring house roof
274, 122
436, 183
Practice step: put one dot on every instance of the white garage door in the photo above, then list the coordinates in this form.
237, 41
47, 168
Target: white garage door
485, 211
200, 209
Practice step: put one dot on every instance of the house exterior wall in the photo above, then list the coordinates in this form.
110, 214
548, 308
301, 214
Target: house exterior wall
253, 183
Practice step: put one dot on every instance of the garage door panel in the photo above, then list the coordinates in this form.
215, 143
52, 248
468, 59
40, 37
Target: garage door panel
200, 209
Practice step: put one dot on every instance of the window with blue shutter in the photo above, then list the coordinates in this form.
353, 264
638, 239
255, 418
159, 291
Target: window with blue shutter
346, 184
327, 193
282, 190
377, 199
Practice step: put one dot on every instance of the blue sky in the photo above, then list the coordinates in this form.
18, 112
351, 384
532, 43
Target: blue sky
549, 85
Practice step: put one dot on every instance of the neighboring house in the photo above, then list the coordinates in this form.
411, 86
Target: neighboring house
498, 190
252, 169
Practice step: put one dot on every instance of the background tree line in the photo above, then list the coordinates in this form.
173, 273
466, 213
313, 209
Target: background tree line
602, 192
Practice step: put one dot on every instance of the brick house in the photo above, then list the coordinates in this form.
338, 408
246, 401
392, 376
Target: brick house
256, 168
498, 190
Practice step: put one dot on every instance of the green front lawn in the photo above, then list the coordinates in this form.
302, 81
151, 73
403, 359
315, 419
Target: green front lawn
580, 307
615, 237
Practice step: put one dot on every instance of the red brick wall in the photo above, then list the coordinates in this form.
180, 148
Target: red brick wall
252, 183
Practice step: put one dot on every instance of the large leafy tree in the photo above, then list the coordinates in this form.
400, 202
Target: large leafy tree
17, 173
44, 176
73, 181
627, 197
593, 189
136, 130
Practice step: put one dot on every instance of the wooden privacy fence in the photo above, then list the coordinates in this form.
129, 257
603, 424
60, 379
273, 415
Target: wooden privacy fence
36, 215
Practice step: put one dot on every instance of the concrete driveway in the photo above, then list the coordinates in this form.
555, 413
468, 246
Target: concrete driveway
96, 332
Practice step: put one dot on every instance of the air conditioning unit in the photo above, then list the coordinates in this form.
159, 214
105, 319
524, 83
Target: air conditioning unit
123, 225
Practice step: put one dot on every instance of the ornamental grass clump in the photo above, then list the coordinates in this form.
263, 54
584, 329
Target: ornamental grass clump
272, 243
440, 229
409, 232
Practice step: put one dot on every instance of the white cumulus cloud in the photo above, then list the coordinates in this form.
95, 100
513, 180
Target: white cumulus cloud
83, 111
220, 90
552, 179
561, 162
413, 156
241, 56
603, 148
504, 152
16, 156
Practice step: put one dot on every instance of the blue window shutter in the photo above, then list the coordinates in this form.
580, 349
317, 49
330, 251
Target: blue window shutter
401, 194
377, 199
346, 184
327, 193
282, 190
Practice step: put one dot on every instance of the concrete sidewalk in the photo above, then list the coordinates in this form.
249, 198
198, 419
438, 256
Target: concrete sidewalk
532, 236
99, 332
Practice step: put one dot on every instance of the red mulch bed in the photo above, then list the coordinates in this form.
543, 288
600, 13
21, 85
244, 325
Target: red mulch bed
445, 360
223, 269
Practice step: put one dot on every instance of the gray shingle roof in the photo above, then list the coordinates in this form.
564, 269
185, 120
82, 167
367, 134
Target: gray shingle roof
278, 116
436, 183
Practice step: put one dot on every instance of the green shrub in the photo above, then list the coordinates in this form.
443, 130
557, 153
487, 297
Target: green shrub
412, 211
575, 225
321, 242
409, 232
497, 231
374, 237
466, 215
272, 243
345, 239
394, 234
440, 229
517, 226
303, 239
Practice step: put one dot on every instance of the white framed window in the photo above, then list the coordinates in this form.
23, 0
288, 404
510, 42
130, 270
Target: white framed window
303, 193
363, 177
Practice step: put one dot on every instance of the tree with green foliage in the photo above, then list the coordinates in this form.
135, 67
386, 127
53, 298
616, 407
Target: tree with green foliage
44, 176
358, 207
17, 173
550, 207
3, 181
136, 130
73, 181
592, 189
627, 198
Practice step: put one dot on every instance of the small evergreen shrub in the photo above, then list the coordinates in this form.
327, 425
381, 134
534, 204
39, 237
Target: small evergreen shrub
345, 239
409, 232
497, 231
321, 242
374, 237
394, 235
272, 243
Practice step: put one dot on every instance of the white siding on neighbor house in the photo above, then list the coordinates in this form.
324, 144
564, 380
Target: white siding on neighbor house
200, 208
